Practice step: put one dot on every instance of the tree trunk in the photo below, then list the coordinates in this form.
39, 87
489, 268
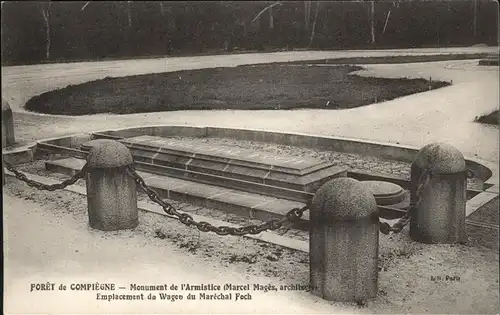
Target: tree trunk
162, 10
307, 13
474, 26
314, 24
438, 32
170, 29
46, 18
129, 15
170, 19
372, 20
271, 18
167, 44
386, 21
130, 36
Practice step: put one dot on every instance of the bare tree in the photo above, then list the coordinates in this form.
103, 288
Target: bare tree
265, 9
129, 14
162, 10
474, 22
45, 9
313, 31
85, 5
271, 18
372, 20
307, 13
386, 21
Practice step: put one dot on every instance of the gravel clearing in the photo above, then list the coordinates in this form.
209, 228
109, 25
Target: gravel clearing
38, 168
350, 161
46, 234
405, 266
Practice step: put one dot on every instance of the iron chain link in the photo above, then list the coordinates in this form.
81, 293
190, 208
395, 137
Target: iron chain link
274, 224
385, 228
70, 181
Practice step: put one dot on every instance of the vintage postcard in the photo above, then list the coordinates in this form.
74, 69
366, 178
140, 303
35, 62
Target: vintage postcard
253, 157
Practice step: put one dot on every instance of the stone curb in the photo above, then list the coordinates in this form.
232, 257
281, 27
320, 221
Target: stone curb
27, 153
478, 201
399, 152
404, 153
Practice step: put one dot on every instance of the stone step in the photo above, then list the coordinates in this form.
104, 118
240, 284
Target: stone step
303, 174
235, 201
210, 179
71, 165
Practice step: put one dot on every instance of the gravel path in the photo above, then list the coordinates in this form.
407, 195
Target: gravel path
20, 83
67, 251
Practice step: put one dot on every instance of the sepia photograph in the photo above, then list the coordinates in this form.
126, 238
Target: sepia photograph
250, 157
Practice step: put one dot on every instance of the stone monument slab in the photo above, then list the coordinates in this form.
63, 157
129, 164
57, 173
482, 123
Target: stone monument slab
224, 153
224, 161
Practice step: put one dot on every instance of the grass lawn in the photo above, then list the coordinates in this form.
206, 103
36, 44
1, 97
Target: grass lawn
271, 86
492, 118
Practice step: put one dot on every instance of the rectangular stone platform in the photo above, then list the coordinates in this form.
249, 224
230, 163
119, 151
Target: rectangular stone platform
302, 174
231, 200
225, 199
228, 154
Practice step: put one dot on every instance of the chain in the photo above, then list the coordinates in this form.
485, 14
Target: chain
385, 228
274, 224
469, 173
188, 220
70, 181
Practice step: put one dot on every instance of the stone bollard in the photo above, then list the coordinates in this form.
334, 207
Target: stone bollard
111, 192
8, 137
440, 216
343, 242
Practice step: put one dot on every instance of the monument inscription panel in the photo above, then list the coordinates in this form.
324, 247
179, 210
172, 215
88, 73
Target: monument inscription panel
193, 157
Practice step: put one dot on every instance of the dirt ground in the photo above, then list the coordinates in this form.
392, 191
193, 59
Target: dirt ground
57, 226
